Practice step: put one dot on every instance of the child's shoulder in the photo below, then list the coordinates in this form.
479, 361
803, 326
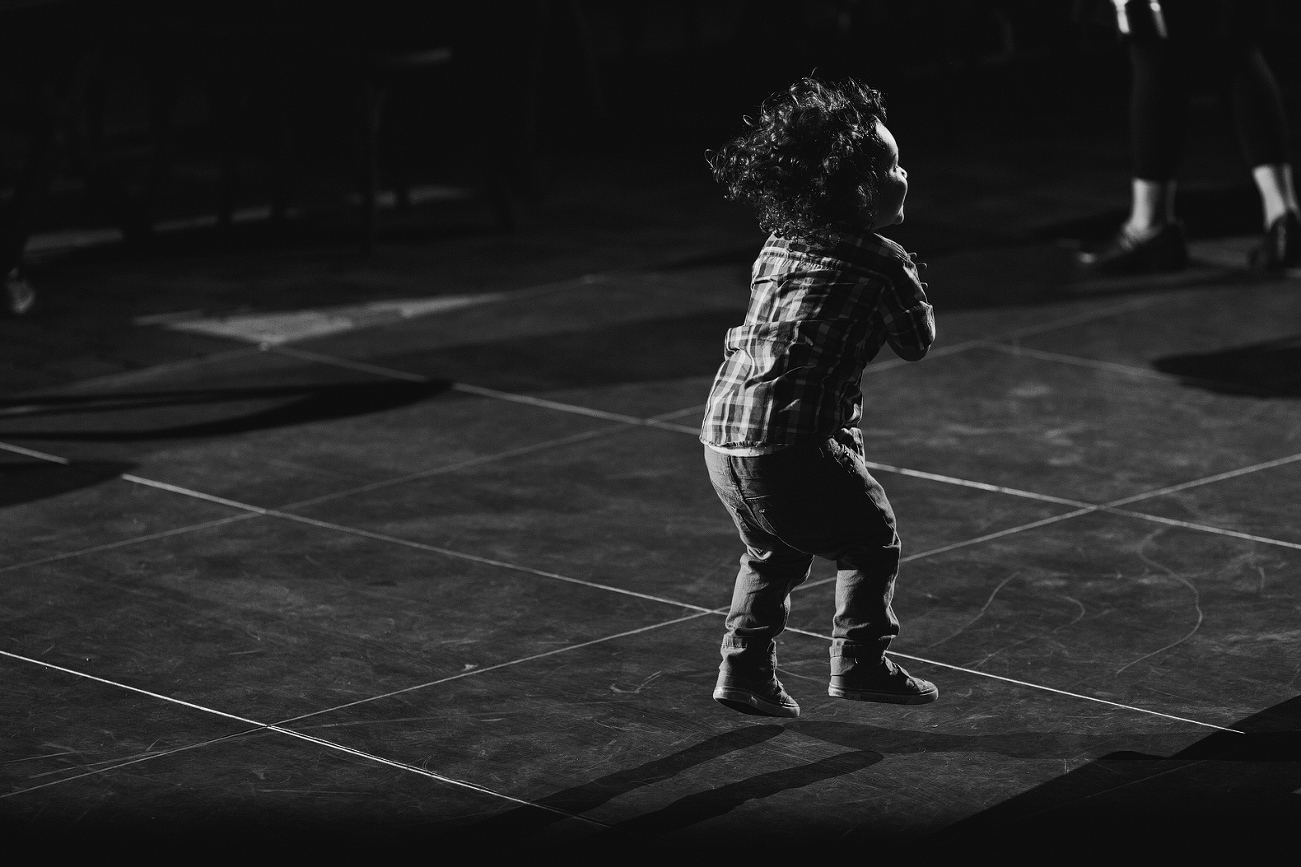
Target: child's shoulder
873, 253
864, 253
888, 249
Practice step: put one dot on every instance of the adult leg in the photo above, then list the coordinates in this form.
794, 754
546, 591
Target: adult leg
1158, 119
1151, 239
1261, 123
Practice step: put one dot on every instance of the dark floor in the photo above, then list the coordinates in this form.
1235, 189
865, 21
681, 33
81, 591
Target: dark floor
291, 567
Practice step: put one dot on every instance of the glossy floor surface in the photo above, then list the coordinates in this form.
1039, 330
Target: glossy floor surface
456, 579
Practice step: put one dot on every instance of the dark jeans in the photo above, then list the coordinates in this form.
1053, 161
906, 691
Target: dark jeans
790, 506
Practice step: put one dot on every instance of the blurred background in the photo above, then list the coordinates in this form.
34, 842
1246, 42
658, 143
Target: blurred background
148, 132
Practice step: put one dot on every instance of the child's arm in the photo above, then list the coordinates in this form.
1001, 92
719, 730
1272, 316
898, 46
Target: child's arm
907, 317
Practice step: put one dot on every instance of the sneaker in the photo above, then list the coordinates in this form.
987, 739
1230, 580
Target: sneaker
887, 682
1164, 249
18, 293
1281, 246
760, 696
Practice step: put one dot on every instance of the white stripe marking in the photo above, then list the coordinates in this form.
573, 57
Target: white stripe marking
298, 735
1029, 685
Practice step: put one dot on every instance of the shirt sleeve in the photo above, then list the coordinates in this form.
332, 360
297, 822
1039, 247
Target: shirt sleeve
907, 318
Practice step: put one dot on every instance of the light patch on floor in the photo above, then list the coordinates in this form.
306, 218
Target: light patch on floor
275, 328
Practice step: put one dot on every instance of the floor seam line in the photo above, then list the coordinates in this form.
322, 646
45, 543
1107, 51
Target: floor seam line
135, 760
323, 358
931, 552
135, 540
500, 665
463, 387
251, 512
474, 558
1081, 361
457, 467
1205, 528
1030, 685
1111, 506
465, 784
1218, 477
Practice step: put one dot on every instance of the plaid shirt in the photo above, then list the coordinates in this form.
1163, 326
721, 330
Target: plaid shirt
818, 314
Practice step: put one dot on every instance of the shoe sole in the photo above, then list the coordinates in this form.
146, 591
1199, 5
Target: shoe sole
744, 701
886, 697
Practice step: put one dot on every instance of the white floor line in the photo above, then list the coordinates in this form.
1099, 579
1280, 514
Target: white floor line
118, 764
678, 413
1029, 685
347, 363
547, 404
676, 428
1205, 528
931, 552
980, 486
1079, 361
42, 456
370, 757
662, 420
485, 669
699, 609
456, 467
408, 543
465, 388
394, 540
251, 511
190, 492
987, 537
473, 558
1218, 477
123, 543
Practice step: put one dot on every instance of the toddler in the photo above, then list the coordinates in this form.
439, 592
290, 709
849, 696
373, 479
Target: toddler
781, 435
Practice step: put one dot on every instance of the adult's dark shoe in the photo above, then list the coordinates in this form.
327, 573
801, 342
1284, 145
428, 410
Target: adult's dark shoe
761, 696
19, 296
1281, 246
884, 681
1164, 248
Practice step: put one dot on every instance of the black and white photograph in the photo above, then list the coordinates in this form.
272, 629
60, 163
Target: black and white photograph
688, 432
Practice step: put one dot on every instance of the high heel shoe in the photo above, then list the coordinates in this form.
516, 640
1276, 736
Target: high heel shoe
1281, 245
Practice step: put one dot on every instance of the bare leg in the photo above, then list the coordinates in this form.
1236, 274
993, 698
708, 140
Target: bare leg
1152, 205
1277, 194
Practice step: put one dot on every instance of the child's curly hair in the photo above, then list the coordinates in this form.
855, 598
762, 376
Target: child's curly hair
812, 159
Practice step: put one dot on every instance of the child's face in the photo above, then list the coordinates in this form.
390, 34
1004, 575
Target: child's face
893, 188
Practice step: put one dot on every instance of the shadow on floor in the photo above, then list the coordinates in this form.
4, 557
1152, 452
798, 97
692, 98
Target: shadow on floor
648, 350
1270, 369
27, 482
305, 404
1228, 795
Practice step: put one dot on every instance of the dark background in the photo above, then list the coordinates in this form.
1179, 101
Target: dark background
166, 94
